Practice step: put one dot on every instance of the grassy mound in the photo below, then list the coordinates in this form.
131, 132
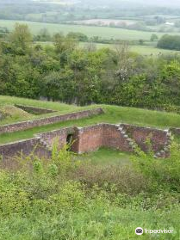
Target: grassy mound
12, 113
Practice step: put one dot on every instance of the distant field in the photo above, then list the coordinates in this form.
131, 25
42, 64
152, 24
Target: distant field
144, 50
106, 22
90, 31
104, 32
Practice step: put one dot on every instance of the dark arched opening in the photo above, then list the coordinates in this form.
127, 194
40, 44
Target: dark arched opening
69, 141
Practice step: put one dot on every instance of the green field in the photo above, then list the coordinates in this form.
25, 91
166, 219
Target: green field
144, 50
113, 114
90, 31
104, 32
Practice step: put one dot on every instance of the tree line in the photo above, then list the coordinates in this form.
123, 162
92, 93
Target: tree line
69, 73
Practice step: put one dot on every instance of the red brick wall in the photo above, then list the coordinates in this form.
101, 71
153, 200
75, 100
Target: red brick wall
9, 152
102, 135
88, 138
158, 138
113, 138
59, 136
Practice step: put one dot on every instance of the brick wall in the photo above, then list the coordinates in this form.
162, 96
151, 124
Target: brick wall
88, 139
107, 135
59, 136
50, 120
140, 135
101, 135
91, 138
9, 152
113, 138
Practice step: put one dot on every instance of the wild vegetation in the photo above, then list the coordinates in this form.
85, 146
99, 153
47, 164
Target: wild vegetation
69, 199
66, 73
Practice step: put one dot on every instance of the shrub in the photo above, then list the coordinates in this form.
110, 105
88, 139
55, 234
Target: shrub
162, 173
111, 178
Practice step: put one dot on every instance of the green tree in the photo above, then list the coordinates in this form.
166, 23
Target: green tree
21, 38
169, 42
154, 37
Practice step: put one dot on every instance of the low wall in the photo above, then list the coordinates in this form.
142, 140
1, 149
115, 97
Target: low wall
59, 136
26, 147
158, 138
50, 120
107, 135
91, 138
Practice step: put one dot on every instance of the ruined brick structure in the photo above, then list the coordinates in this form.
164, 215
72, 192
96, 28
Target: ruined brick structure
20, 126
123, 137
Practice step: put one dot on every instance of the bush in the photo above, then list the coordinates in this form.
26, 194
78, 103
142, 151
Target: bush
164, 173
169, 42
111, 178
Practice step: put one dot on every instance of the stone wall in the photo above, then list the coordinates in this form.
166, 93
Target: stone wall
50, 120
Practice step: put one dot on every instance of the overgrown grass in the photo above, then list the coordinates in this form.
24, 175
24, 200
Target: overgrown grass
63, 199
106, 156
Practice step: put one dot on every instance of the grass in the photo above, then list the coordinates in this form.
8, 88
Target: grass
8, 102
12, 113
90, 31
97, 221
113, 114
105, 156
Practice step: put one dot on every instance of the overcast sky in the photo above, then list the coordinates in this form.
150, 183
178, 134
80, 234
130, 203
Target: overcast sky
160, 2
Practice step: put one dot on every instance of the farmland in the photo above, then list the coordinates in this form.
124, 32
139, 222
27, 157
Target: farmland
101, 32
90, 31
